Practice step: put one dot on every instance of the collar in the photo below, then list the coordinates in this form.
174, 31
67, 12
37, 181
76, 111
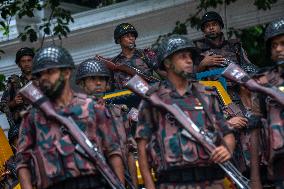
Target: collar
173, 92
135, 54
210, 43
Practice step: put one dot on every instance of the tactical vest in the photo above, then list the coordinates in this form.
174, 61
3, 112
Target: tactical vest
59, 158
172, 149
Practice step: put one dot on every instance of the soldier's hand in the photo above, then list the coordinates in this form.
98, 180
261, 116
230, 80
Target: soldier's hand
18, 99
237, 122
210, 60
220, 155
262, 80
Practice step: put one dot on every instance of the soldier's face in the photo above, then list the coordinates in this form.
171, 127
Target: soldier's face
182, 63
277, 48
95, 85
25, 64
212, 29
128, 41
52, 81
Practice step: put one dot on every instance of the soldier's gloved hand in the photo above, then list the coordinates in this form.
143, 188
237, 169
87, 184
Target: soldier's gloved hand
220, 155
237, 122
210, 60
18, 99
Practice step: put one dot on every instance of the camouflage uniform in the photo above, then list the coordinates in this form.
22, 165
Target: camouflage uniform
117, 113
14, 84
142, 59
122, 123
233, 51
10, 179
272, 111
52, 151
181, 162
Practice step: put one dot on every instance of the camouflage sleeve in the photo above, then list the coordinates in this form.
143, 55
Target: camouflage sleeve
220, 121
4, 101
106, 131
145, 121
25, 141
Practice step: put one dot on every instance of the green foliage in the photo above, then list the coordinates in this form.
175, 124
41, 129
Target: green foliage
253, 42
56, 24
2, 82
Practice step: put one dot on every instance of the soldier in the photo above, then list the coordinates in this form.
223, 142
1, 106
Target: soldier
180, 161
47, 156
274, 77
93, 77
143, 59
216, 51
11, 102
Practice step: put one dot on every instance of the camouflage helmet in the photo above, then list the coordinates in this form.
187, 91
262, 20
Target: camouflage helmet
211, 16
122, 29
91, 67
173, 44
51, 57
274, 29
25, 51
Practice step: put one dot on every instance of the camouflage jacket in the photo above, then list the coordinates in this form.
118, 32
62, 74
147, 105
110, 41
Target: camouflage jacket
144, 60
10, 179
122, 122
232, 50
168, 147
52, 151
273, 121
14, 84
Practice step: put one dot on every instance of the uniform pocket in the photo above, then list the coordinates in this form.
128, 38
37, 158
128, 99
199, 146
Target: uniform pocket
188, 149
52, 163
73, 161
172, 149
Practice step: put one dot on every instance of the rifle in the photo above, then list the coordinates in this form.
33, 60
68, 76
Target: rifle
128, 69
84, 145
141, 87
235, 73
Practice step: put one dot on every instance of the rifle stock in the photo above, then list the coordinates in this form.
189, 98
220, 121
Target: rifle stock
130, 70
35, 96
234, 73
141, 87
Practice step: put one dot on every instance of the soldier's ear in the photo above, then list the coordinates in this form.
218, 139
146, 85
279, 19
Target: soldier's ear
66, 73
167, 63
